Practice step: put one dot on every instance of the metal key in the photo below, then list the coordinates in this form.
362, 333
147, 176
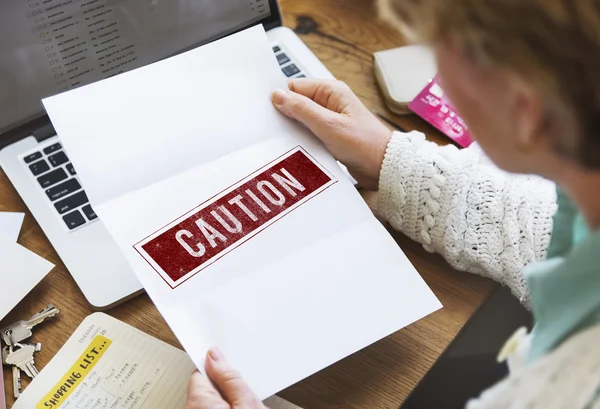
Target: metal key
8, 349
16, 372
16, 381
37, 346
21, 330
23, 359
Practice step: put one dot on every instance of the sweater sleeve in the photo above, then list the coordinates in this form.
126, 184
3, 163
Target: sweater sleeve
457, 203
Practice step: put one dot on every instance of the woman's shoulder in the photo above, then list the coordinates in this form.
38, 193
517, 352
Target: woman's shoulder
568, 377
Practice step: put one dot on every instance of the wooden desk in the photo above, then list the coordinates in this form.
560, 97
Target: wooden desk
344, 34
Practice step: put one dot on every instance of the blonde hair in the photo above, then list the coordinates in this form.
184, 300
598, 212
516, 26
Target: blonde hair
554, 44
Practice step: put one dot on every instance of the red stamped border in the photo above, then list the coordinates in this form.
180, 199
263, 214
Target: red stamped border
251, 235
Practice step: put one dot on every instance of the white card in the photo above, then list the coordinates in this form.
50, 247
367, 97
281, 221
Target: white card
240, 225
10, 225
20, 271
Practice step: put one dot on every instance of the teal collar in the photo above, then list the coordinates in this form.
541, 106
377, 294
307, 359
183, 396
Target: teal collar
565, 289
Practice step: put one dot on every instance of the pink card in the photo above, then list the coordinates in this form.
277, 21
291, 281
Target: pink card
433, 106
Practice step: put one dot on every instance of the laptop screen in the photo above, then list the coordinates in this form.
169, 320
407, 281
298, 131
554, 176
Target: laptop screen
51, 46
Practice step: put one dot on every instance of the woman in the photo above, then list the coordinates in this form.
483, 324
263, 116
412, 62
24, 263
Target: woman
525, 76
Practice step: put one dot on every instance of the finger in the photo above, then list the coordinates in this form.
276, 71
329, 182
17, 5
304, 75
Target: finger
318, 119
331, 94
202, 394
309, 86
229, 382
298, 106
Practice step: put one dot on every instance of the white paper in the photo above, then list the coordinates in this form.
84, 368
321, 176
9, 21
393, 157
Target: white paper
20, 271
314, 287
10, 225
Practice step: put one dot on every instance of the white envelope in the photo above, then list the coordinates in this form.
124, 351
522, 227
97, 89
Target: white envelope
10, 225
20, 271
318, 282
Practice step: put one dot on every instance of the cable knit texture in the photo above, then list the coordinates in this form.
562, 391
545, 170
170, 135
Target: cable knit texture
457, 203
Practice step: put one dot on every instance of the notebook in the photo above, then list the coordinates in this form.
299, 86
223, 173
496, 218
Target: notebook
109, 364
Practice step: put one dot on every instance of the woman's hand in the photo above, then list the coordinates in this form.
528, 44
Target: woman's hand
229, 390
338, 118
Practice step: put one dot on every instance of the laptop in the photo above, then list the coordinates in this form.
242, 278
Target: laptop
51, 46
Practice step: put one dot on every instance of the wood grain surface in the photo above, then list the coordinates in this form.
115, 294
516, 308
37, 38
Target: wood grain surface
343, 34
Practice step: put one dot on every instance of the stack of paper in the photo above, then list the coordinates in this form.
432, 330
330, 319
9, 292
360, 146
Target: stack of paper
241, 226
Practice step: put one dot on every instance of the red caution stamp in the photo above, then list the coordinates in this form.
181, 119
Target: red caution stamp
218, 226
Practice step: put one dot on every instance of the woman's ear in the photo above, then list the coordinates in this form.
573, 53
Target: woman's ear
531, 124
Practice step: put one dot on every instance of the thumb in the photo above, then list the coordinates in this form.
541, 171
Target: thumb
229, 382
304, 110
202, 394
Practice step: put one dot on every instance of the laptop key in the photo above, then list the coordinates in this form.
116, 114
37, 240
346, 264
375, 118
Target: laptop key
74, 219
52, 148
301, 76
71, 202
282, 58
38, 168
276, 49
53, 177
71, 169
65, 188
89, 212
290, 70
32, 157
58, 159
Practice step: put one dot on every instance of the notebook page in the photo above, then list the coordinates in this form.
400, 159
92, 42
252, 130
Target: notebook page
109, 364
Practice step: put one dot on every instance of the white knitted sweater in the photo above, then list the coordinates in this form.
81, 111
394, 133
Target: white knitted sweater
457, 203
485, 221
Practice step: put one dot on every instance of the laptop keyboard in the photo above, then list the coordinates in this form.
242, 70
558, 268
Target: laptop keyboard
56, 175
289, 68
